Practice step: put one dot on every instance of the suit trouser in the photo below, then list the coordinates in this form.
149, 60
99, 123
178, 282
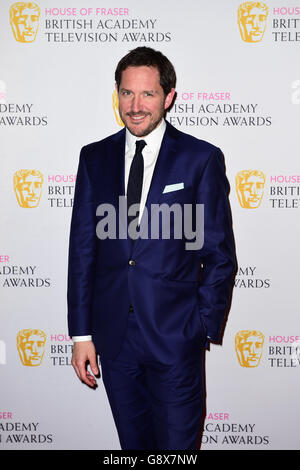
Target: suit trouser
155, 406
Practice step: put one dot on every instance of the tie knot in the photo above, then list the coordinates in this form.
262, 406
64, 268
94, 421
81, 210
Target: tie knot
139, 145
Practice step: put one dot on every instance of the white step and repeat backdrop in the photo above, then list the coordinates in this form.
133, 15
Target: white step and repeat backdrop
238, 87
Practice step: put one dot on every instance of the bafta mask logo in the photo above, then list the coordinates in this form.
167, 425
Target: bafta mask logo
28, 187
252, 20
115, 104
249, 347
250, 188
31, 347
24, 19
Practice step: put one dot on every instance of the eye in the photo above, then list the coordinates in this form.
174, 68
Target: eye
148, 93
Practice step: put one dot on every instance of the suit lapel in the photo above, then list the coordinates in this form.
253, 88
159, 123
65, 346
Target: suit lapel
160, 175
117, 169
117, 160
162, 170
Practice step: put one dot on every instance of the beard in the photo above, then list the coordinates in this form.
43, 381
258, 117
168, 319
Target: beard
144, 130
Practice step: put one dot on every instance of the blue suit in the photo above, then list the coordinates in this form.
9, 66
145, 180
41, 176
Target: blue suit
179, 297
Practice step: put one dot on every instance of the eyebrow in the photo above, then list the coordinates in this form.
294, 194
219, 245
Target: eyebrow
144, 91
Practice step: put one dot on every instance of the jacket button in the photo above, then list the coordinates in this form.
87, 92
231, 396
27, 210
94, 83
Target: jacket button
130, 308
131, 262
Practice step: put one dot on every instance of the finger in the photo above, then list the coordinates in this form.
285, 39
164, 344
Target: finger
82, 371
86, 376
79, 369
91, 379
76, 369
80, 360
94, 365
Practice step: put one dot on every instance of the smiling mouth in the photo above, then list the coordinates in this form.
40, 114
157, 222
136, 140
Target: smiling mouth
137, 118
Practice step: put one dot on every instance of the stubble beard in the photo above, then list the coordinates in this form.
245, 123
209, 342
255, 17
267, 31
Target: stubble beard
143, 132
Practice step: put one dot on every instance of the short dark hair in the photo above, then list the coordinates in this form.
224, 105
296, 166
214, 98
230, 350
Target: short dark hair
151, 58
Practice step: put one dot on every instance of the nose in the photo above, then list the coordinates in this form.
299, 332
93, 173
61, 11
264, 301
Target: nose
136, 104
253, 350
256, 22
28, 24
31, 190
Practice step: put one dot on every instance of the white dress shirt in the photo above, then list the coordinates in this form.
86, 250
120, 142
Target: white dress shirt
150, 154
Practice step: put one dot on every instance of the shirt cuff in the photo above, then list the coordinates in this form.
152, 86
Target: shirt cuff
77, 339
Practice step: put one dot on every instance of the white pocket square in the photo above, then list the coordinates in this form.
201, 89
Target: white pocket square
173, 187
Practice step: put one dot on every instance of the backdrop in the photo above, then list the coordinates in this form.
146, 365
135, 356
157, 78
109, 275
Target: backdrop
239, 88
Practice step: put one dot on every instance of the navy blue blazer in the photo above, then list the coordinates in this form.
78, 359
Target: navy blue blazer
179, 296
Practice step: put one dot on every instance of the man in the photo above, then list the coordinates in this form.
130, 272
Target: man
139, 302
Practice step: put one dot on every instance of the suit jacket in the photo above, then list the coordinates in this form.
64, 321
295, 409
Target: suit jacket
179, 296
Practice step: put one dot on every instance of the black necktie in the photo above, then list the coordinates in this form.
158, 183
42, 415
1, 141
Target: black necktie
135, 180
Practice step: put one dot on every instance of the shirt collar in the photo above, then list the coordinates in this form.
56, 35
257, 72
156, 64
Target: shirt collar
153, 140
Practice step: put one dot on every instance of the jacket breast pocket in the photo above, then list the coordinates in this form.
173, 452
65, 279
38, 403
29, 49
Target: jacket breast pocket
180, 196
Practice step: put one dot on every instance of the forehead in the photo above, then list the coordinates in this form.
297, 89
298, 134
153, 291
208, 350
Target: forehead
252, 339
255, 11
27, 11
252, 179
140, 76
30, 177
33, 337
